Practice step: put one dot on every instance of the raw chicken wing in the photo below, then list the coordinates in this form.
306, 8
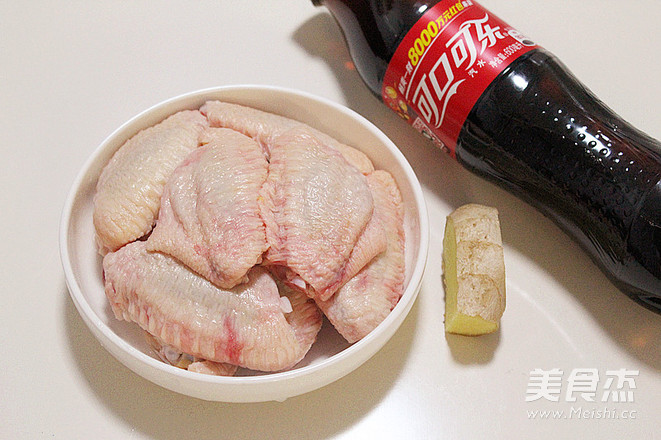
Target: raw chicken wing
366, 299
265, 127
246, 326
316, 206
128, 193
209, 217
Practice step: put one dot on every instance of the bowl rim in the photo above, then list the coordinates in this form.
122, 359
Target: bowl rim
101, 330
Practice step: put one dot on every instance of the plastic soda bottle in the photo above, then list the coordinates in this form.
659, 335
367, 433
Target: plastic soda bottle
511, 112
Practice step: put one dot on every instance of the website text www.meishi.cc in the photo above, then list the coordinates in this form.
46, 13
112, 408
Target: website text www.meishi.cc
581, 413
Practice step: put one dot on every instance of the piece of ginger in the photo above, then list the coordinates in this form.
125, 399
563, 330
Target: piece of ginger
473, 271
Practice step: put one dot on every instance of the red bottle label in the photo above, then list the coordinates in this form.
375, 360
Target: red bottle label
443, 65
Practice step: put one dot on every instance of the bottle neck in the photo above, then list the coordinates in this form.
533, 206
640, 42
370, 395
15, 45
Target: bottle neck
373, 31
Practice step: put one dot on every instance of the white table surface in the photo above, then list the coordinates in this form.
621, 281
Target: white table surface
74, 71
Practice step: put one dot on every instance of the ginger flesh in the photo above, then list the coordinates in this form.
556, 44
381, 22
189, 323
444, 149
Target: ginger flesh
474, 271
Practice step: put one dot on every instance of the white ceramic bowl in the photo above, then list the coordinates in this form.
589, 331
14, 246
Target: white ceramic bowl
330, 357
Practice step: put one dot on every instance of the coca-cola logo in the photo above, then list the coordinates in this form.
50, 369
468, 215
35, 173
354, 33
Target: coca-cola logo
445, 62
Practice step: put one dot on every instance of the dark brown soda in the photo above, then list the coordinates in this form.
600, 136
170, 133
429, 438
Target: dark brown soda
543, 136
